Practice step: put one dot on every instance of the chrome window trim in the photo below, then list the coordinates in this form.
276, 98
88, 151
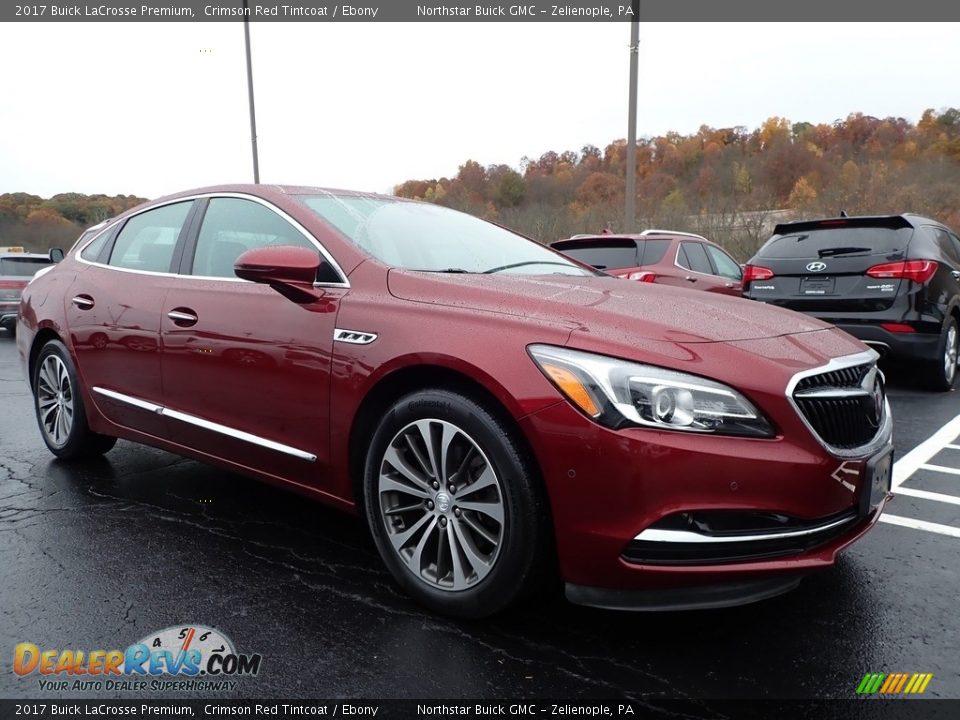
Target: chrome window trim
206, 424
884, 432
210, 196
687, 536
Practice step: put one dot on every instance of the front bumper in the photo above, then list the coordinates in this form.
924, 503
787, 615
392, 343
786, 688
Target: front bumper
608, 489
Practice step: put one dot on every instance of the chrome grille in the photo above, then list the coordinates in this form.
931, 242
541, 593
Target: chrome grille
844, 407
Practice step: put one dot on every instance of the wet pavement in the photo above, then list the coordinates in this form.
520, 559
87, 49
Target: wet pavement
99, 555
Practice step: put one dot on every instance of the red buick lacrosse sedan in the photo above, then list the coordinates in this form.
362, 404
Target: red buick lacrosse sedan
498, 413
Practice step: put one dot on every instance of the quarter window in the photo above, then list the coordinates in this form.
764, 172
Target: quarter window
147, 240
231, 226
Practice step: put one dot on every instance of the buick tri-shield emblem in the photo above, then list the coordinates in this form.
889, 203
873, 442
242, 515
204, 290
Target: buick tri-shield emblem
816, 266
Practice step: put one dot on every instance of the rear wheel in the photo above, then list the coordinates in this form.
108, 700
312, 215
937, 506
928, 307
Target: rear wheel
453, 505
59, 407
943, 372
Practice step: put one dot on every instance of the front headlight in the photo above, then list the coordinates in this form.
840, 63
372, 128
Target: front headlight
618, 393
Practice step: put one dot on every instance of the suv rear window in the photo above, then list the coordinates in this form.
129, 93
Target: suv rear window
830, 242
604, 255
21, 266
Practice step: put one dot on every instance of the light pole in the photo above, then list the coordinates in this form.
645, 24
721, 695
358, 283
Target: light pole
630, 211
253, 111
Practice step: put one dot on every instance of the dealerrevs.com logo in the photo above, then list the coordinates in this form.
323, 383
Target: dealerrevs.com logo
185, 657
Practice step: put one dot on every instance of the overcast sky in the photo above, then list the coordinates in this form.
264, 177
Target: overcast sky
151, 108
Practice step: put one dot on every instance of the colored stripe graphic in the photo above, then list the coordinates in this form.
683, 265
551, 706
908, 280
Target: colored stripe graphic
894, 683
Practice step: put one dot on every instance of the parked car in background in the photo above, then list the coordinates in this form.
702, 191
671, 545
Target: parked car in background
892, 281
498, 413
664, 257
17, 268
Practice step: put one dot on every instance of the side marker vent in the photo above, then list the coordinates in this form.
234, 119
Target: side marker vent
354, 337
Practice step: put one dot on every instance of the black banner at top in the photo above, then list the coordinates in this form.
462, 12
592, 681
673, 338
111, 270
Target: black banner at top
853, 11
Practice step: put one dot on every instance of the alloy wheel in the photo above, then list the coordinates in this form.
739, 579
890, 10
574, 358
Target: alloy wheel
441, 503
55, 402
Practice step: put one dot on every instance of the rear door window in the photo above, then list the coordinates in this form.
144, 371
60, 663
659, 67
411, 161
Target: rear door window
692, 256
147, 240
726, 266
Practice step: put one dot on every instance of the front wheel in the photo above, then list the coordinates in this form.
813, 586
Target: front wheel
943, 372
59, 407
453, 504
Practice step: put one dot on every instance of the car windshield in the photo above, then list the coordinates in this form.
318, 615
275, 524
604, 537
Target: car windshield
421, 236
21, 266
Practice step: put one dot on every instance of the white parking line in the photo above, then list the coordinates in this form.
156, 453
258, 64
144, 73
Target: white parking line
922, 525
941, 468
918, 459
921, 454
927, 495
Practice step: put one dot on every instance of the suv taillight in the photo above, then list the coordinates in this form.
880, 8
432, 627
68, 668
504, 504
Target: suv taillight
756, 272
641, 276
920, 271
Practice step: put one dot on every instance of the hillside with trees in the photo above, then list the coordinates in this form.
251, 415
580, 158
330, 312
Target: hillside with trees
729, 184
38, 224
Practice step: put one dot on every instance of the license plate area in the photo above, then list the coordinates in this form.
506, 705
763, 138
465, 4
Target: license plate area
820, 285
877, 480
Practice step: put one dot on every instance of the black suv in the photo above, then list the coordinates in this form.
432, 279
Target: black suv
892, 281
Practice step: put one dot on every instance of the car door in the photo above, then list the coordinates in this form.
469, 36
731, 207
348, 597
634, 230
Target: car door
726, 268
693, 269
246, 371
113, 311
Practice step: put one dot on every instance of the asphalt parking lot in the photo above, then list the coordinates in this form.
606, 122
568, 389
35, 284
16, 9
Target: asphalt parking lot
102, 554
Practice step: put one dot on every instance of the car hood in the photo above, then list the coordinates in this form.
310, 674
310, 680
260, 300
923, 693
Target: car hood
606, 308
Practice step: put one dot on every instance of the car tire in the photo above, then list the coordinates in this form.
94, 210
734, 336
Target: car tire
943, 372
469, 550
59, 407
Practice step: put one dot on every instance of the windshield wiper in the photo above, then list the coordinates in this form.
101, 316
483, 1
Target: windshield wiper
832, 252
445, 270
527, 262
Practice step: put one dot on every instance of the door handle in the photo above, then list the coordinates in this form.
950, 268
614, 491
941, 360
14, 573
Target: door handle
730, 285
84, 302
690, 278
183, 317
956, 274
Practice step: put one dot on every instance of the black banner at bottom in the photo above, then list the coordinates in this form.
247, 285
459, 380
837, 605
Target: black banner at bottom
854, 709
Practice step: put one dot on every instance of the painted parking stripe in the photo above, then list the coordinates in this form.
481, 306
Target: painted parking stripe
948, 530
928, 495
922, 453
919, 459
941, 469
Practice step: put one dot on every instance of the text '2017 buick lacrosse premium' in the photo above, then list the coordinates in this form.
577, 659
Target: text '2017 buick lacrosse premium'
498, 413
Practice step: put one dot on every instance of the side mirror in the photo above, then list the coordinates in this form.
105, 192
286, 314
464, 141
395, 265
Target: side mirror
56, 255
289, 270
